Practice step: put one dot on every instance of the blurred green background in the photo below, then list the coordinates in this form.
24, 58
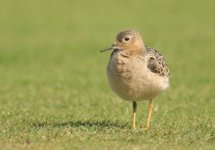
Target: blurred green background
53, 88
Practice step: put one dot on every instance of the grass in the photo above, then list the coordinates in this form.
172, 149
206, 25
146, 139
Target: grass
53, 88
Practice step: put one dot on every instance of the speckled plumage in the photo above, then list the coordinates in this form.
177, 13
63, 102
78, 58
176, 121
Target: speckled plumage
157, 63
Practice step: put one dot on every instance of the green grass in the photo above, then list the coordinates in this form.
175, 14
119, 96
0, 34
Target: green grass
53, 88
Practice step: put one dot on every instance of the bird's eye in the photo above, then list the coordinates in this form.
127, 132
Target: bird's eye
127, 38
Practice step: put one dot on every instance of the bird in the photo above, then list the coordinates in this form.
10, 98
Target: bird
136, 72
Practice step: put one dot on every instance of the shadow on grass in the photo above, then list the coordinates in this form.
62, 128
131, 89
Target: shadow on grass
82, 123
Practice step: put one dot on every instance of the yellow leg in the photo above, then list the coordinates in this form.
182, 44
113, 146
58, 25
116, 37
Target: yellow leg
134, 114
150, 107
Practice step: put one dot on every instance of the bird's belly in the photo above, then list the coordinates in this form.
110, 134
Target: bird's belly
133, 82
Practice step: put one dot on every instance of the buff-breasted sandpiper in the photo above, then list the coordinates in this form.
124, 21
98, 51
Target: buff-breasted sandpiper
135, 71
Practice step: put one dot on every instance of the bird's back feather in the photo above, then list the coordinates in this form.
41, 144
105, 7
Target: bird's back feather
156, 62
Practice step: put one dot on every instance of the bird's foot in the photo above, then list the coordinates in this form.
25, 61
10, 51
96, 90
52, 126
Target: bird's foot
146, 129
133, 126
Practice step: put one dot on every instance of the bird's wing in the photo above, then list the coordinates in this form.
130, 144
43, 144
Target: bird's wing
156, 62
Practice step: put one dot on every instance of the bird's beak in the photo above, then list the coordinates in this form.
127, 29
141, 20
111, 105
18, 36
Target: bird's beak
111, 47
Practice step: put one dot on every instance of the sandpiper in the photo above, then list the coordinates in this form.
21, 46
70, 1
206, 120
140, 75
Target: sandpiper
135, 71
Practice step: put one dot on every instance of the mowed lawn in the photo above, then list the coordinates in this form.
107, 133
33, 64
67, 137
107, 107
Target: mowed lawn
53, 88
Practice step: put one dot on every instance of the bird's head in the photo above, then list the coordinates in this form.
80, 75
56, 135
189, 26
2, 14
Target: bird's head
127, 40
